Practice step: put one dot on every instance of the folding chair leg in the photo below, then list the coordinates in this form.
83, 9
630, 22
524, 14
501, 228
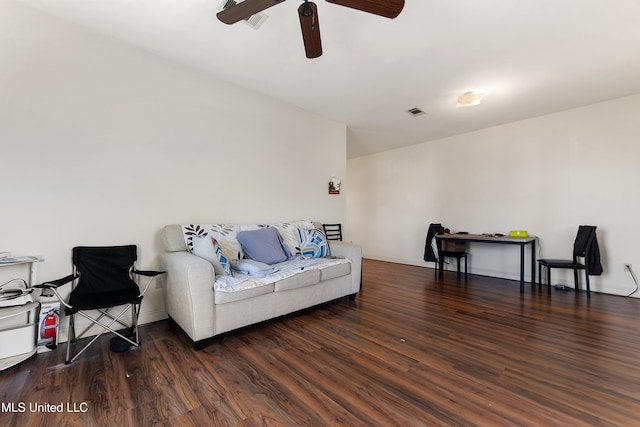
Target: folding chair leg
135, 312
71, 338
105, 329
103, 313
84, 348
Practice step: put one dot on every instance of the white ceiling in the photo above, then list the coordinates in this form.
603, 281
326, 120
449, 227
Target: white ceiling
533, 57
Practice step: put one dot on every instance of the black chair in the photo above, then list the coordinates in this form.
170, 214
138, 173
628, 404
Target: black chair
583, 247
333, 231
103, 278
458, 255
457, 250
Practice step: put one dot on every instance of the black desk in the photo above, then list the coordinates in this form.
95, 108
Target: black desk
505, 240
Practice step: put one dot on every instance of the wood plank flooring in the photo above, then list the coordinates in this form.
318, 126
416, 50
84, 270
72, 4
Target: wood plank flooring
411, 350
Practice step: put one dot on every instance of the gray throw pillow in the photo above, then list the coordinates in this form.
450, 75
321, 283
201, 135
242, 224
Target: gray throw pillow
264, 245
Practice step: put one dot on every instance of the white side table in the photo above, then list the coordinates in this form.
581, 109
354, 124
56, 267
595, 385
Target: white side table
18, 324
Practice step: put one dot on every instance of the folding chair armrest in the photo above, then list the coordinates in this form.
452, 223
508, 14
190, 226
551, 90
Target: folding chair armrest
57, 283
148, 273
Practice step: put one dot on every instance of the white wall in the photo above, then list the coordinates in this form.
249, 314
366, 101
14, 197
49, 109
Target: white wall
103, 144
546, 175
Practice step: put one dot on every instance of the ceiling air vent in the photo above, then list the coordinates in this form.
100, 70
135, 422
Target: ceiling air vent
415, 111
254, 21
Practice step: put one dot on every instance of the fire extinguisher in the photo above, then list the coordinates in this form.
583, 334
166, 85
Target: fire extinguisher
49, 326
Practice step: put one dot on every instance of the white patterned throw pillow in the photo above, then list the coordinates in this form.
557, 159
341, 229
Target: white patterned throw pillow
225, 234
290, 235
207, 248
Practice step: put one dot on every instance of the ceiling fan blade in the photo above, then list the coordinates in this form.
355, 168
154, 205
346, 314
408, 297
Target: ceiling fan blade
386, 8
310, 26
245, 9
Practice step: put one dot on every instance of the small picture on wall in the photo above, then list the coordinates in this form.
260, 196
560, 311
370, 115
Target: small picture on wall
334, 185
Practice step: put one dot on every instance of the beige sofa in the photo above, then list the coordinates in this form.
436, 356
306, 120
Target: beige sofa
202, 310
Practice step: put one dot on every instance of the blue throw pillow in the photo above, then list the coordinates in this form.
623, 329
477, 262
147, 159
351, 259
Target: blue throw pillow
264, 245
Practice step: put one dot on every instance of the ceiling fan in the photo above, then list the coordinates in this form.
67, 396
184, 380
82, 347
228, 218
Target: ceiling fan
308, 13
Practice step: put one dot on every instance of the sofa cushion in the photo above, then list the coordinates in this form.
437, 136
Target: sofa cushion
333, 271
207, 247
299, 280
263, 245
313, 243
240, 282
226, 297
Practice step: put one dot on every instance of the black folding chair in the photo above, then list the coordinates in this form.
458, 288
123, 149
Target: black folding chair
103, 278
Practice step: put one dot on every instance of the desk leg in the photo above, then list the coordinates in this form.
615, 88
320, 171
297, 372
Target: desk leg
522, 269
533, 262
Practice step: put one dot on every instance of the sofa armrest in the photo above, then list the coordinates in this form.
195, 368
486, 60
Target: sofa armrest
352, 252
189, 293
173, 239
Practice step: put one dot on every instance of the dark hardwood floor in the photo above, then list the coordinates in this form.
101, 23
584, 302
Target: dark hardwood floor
409, 351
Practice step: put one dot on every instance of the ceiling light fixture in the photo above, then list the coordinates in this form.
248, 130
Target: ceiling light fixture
469, 99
